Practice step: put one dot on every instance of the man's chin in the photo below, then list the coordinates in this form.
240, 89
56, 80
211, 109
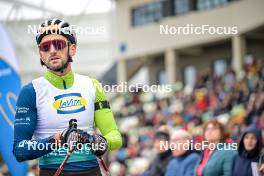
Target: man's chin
55, 67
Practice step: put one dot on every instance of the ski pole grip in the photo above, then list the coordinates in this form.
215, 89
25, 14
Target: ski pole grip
73, 123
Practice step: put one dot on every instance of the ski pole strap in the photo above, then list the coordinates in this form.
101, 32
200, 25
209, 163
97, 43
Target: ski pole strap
101, 105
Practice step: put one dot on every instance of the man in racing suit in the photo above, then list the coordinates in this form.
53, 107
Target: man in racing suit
47, 104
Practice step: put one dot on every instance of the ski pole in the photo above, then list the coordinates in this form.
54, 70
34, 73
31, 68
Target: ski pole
103, 164
72, 124
64, 162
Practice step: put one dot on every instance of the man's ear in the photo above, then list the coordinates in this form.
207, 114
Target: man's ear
40, 56
72, 49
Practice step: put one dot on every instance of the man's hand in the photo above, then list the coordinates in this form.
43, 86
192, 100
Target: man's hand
57, 138
72, 137
97, 142
68, 135
98, 145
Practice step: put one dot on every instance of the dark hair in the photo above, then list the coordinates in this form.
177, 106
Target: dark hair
162, 135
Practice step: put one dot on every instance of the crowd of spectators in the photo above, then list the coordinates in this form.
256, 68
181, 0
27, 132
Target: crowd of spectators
235, 101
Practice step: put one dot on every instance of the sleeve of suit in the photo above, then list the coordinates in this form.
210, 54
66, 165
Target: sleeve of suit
24, 148
104, 119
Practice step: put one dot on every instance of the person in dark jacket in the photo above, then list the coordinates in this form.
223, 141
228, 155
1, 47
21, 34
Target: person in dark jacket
249, 153
159, 165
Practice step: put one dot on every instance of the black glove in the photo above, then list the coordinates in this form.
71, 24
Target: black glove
98, 145
68, 135
71, 136
97, 142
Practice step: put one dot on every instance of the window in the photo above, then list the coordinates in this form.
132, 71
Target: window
208, 4
219, 2
155, 11
182, 6
147, 13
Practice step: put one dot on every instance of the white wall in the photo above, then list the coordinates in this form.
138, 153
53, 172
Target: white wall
145, 40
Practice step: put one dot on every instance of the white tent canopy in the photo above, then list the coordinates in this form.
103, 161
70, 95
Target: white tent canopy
94, 37
30, 9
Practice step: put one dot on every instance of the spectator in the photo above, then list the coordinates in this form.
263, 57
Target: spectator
249, 153
184, 159
158, 166
215, 161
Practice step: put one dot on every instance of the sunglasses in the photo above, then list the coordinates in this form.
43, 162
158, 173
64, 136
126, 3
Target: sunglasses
57, 44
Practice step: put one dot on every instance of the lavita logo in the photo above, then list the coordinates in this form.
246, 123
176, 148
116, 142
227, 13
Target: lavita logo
69, 103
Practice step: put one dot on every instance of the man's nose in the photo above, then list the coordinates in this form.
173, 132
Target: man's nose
52, 49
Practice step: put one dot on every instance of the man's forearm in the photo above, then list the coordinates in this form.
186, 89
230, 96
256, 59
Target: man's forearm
32, 149
114, 139
104, 120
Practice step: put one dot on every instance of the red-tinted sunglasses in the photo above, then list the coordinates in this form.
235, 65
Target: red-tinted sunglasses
57, 44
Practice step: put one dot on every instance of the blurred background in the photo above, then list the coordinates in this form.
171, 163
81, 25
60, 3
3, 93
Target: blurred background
213, 76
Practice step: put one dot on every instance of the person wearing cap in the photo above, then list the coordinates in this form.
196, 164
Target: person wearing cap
184, 159
47, 104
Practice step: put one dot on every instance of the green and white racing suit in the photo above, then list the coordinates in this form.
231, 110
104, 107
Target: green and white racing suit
45, 107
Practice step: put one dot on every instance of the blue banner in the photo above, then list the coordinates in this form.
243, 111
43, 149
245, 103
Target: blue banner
9, 89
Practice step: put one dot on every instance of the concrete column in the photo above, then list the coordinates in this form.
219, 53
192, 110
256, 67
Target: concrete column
238, 53
121, 71
171, 62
